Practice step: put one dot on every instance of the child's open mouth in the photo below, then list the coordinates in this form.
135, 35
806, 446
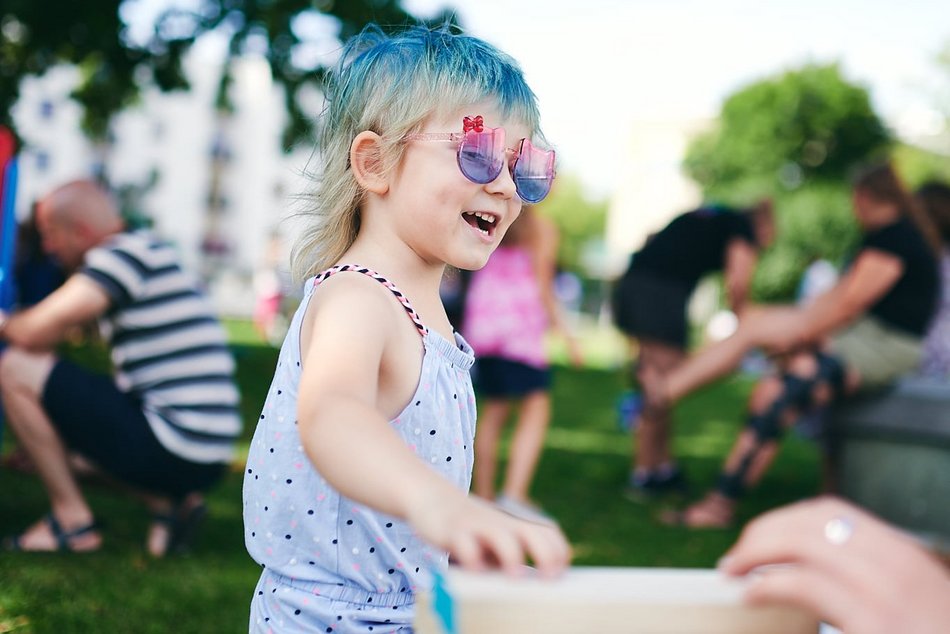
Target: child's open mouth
481, 221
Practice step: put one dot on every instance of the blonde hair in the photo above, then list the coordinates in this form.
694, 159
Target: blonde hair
391, 86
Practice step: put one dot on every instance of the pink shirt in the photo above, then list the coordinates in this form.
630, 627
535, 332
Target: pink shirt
504, 313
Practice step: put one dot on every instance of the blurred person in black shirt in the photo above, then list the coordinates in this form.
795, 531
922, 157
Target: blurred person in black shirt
864, 332
650, 303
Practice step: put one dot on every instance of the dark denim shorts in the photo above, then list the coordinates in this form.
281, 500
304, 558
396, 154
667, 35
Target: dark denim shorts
107, 426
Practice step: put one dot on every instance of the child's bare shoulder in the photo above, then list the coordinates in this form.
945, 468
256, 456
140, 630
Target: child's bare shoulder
353, 298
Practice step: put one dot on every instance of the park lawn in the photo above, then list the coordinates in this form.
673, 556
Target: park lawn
579, 481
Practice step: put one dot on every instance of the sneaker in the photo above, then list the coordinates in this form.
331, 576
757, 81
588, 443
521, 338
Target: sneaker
523, 510
655, 485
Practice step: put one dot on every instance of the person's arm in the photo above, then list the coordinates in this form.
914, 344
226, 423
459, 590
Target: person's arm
78, 301
741, 258
844, 565
352, 445
872, 275
544, 243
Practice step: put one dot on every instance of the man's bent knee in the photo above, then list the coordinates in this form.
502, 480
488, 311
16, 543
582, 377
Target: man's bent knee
25, 371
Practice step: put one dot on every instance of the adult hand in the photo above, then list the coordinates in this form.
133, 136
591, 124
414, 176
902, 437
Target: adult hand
479, 536
844, 565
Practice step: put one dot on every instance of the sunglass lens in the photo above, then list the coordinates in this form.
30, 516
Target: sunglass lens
481, 155
533, 172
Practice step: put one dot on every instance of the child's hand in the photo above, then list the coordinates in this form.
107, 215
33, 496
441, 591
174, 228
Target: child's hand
479, 536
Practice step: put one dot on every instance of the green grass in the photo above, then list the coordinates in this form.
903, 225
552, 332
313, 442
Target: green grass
579, 480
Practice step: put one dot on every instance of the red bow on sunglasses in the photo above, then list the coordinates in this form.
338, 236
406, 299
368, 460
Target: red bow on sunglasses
476, 124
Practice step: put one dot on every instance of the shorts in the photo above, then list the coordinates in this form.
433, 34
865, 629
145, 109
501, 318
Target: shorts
495, 377
651, 308
877, 352
107, 426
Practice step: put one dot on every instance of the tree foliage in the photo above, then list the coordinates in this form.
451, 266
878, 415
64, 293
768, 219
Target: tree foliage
794, 137
805, 125
92, 34
579, 219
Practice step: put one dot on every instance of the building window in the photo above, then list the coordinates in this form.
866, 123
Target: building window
42, 162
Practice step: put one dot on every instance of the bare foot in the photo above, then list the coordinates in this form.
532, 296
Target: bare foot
713, 511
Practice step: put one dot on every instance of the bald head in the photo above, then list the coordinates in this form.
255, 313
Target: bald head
75, 217
83, 202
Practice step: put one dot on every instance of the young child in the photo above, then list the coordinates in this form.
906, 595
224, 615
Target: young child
357, 474
510, 306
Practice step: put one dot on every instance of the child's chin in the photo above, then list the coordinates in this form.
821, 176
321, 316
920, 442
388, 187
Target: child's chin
471, 264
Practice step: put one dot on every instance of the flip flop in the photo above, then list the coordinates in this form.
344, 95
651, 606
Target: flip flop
63, 538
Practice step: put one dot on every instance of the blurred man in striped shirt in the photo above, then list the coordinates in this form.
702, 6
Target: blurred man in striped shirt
165, 423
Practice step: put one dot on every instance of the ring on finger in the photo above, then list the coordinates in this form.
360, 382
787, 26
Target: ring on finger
838, 530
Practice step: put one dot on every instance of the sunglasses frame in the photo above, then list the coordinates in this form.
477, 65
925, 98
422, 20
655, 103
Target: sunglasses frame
460, 138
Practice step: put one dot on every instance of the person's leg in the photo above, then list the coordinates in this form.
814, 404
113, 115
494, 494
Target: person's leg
491, 420
652, 458
526, 444
23, 376
810, 380
716, 360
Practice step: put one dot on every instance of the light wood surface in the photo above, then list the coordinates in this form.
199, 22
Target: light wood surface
622, 600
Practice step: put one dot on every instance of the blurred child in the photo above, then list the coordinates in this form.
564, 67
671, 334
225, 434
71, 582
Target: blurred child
509, 307
357, 475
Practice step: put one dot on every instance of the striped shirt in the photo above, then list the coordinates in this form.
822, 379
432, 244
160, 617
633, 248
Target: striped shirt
167, 346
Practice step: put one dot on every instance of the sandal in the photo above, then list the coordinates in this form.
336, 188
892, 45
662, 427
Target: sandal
64, 539
182, 524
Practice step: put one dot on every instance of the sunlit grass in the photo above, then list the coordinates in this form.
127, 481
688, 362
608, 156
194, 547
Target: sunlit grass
580, 480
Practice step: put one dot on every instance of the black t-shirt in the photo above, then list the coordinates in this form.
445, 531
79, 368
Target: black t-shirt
693, 245
910, 304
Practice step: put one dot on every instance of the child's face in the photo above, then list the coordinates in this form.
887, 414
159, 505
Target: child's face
443, 216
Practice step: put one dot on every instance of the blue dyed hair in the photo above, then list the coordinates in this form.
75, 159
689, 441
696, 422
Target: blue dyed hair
391, 85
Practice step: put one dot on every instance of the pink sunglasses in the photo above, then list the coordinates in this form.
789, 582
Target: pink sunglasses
482, 153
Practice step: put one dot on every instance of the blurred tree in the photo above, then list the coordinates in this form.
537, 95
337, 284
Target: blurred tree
96, 37
578, 218
794, 137
779, 133
917, 165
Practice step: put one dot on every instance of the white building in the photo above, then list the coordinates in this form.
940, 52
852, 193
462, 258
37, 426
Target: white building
221, 187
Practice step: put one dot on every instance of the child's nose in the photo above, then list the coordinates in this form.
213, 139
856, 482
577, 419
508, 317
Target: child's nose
503, 185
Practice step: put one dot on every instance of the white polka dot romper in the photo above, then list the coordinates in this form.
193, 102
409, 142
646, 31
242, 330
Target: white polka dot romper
329, 563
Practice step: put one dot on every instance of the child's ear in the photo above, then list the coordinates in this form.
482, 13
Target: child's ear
366, 161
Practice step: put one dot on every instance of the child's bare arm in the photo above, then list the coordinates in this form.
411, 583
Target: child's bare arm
352, 445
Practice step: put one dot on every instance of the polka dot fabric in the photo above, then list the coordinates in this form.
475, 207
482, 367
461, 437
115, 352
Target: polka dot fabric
329, 563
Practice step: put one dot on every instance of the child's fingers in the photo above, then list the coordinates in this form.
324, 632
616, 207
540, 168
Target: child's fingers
547, 547
467, 551
502, 544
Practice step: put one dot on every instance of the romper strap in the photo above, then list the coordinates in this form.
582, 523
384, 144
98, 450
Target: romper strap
413, 315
